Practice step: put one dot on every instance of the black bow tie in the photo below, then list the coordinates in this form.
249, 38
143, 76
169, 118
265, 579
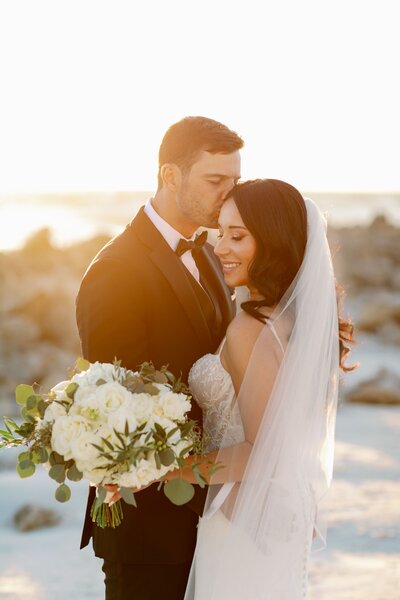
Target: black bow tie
196, 244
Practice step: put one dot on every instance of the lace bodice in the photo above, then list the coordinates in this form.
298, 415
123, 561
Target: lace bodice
212, 388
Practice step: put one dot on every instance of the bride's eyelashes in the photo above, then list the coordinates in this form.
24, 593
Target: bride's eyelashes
235, 237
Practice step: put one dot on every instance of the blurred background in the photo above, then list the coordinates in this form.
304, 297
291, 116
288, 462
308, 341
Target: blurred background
87, 91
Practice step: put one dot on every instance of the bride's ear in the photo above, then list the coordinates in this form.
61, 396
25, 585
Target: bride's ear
171, 176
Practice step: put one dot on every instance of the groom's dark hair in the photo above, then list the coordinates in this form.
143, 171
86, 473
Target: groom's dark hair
185, 139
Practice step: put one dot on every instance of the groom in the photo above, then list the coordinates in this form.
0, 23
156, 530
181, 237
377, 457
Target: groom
156, 293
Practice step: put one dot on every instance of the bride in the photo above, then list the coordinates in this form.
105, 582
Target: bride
269, 400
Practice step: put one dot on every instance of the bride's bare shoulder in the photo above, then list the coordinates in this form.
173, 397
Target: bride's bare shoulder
244, 329
241, 336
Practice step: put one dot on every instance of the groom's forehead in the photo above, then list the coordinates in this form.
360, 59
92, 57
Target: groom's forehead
218, 164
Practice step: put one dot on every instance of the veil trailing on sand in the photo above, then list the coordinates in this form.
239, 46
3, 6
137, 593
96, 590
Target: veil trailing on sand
263, 522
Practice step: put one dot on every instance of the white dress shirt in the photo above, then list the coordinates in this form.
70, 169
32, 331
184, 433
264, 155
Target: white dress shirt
172, 238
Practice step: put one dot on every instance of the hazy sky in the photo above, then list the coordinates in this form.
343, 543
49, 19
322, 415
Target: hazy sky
89, 87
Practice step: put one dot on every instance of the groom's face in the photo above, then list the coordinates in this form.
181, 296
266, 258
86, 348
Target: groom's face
205, 186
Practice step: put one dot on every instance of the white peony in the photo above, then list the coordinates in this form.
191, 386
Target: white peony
54, 410
59, 391
112, 396
66, 429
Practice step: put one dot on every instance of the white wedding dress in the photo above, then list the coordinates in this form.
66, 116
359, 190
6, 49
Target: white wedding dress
212, 387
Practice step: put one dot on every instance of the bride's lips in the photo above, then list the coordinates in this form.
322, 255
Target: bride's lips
228, 267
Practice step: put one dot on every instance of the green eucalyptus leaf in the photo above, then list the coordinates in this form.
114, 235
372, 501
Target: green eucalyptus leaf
31, 402
23, 392
26, 468
24, 456
57, 472
26, 416
71, 389
128, 496
74, 474
40, 455
63, 493
151, 389
41, 407
167, 457
56, 459
179, 491
82, 364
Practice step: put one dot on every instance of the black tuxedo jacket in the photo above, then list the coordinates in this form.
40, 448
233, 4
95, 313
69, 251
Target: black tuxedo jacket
138, 302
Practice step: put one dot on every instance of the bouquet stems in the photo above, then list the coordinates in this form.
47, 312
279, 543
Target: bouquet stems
105, 515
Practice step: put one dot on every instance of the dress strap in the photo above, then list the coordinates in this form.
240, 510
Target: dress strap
222, 344
273, 331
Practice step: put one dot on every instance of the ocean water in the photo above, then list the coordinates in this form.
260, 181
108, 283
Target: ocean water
73, 217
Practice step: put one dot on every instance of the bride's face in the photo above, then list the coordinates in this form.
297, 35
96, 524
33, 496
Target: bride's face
236, 247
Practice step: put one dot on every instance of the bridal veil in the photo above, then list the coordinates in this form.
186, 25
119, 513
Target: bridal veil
264, 525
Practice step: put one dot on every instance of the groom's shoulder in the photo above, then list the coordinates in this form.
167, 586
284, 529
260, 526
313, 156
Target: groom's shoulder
125, 246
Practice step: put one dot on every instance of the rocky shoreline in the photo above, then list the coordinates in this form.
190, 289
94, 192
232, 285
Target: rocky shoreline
38, 285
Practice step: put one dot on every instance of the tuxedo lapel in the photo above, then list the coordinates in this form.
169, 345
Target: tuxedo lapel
220, 293
174, 271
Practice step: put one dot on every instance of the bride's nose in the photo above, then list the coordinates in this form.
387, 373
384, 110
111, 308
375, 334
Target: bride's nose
220, 248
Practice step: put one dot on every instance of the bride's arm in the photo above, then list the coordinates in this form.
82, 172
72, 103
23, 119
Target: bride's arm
252, 391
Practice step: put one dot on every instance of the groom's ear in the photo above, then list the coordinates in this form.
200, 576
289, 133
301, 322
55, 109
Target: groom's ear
171, 176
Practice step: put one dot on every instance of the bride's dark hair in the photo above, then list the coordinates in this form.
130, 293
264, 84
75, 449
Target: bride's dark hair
275, 214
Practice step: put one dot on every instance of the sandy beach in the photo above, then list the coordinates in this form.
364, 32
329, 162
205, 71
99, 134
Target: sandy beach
362, 561
39, 343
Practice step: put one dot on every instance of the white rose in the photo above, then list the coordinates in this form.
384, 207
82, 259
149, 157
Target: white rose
174, 405
54, 410
120, 417
82, 448
112, 396
143, 406
66, 429
86, 403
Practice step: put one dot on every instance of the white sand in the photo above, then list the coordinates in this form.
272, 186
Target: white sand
362, 561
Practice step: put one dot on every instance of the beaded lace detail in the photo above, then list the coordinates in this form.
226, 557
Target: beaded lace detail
212, 388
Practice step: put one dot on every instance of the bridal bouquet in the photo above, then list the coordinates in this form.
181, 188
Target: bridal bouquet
108, 425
